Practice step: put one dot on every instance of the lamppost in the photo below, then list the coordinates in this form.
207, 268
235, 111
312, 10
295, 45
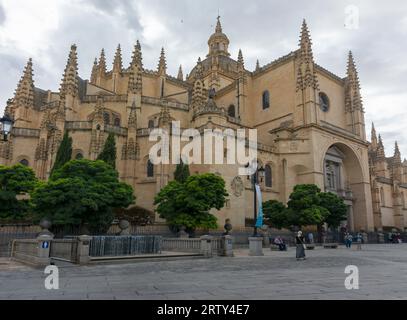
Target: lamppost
6, 124
257, 176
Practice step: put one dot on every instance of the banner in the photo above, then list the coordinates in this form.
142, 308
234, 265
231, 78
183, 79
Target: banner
259, 221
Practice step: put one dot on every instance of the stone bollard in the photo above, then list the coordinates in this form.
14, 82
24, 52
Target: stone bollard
227, 246
83, 249
43, 247
206, 246
256, 246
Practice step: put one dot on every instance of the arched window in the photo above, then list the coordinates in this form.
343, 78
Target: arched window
98, 127
116, 122
150, 169
266, 99
79, 156
323, 102
24, 162
232, 111
106, 118
382, 198
151, 124
268, 175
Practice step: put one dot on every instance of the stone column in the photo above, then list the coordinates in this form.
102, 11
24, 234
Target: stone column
256, 246
206, 246
43, 250
227, 246
83, 249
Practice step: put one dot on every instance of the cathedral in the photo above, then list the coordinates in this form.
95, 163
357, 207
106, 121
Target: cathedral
310, 127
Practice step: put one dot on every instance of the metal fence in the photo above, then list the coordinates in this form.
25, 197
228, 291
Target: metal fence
10, 232
124, 245
64, 249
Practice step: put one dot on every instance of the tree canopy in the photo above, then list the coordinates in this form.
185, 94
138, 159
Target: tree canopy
108, 153
188, 204
64, 153
82, 192
181, 173
14, 181
307, 205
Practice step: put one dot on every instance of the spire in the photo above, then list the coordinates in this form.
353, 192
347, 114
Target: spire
198, 73
132, 122
306, 75
397, 155
102, 62
240, 60
353, 85
380, 149
218, 28
117, 63
373, 137
305, 43
136, 59
257, 65
94, 72
69, 83
180, 75
24, 95
162, 65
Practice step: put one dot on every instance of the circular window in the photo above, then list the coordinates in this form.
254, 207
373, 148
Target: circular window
323, 102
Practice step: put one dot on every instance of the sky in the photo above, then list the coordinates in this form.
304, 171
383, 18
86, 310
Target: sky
375, 31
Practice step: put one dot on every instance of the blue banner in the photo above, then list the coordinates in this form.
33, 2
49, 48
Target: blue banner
259, 221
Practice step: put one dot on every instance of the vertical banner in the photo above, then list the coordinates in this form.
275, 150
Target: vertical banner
259, 222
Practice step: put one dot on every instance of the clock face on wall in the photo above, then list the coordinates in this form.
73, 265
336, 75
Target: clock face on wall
323, 102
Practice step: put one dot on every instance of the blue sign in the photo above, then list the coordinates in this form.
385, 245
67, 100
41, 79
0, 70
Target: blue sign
45, 244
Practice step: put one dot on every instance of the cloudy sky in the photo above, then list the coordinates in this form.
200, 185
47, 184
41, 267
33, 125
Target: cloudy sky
264, 30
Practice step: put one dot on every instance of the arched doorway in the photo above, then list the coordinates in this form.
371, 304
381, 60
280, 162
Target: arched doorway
347, 175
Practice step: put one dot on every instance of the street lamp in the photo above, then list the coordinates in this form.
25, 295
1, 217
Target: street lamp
257, 176
6, 124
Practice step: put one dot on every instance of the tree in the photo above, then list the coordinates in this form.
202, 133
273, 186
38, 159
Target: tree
108, 153
188, 204
15, 181
304, 206
82, 192
275, 212
336, 207
64, 153
181, 173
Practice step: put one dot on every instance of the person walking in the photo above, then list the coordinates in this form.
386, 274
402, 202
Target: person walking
300, 246
348, 240
359, 239
310, 237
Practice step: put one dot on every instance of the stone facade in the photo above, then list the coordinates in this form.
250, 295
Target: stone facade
310, 126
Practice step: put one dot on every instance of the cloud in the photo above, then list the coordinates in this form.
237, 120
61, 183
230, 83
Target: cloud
263, 29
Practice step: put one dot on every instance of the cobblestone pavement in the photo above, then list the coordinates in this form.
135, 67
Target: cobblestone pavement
277, 275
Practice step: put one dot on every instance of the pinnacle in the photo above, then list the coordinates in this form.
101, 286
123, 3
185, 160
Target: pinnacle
137, 56
218, 28
102, 61
117, 63
257, 65
162, 65
180, 75
240, 57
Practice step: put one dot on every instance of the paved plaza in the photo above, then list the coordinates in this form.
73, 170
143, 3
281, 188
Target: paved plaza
277, 275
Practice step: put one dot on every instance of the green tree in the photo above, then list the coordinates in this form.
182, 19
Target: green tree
181, 173
64, 153
108, 153
188, 204
336, 207
82, 192
275, 212
15, 181
304, 206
